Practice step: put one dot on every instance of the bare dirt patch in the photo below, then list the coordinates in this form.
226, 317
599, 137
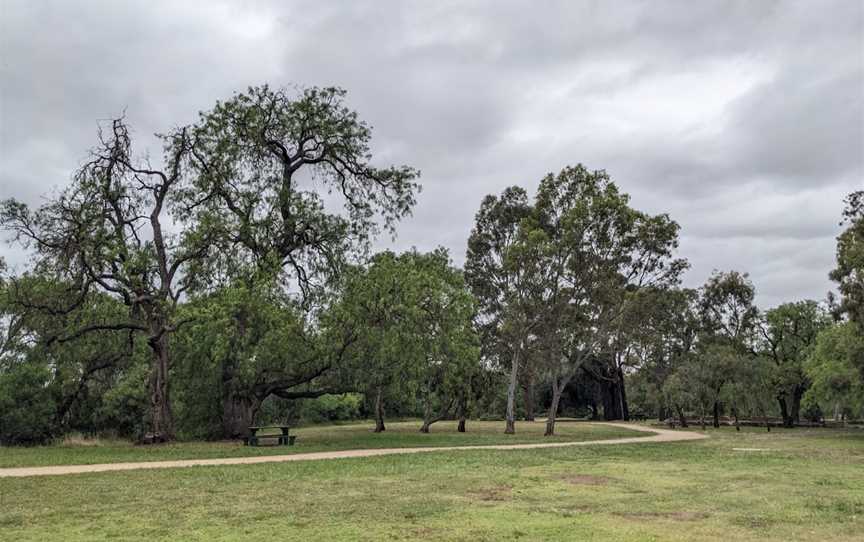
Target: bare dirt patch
587, 480
675, 516
492, 494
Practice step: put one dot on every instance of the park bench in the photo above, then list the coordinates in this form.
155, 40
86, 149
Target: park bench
283, 439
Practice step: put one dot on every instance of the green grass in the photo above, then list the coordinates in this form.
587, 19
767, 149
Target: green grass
802, 485
309, 439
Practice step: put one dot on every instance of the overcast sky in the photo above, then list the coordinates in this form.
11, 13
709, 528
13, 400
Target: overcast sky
743, 120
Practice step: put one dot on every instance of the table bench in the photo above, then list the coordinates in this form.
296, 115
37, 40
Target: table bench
283, 439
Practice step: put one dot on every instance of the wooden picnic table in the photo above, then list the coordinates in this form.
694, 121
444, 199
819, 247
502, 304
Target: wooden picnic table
283, 439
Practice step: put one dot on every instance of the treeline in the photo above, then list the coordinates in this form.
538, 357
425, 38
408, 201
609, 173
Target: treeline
233, 283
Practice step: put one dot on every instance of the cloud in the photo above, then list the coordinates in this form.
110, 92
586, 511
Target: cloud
743, 120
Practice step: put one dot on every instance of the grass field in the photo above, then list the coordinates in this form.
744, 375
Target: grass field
786, 485
309, 439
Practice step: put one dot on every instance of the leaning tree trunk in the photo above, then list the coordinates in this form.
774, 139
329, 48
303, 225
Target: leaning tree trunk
379, 410
511, 396
161, 417
553, 408
429, 418
463, 412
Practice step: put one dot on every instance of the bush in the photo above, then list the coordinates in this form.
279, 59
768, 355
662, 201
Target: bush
125, 406
27, 407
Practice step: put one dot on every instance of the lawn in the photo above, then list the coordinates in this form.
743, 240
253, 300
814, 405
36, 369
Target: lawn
786, 485
309, 439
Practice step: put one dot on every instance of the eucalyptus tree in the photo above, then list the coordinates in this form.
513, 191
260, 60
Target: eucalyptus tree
446, 332
594, 251
788, 335
727, 311
108, 231
728, 320
849, 273
501, 281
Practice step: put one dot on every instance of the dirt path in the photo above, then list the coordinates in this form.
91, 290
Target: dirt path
660, 435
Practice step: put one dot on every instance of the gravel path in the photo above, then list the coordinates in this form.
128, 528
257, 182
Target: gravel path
659, 435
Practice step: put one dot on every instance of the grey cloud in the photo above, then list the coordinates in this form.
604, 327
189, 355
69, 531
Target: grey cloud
743, 120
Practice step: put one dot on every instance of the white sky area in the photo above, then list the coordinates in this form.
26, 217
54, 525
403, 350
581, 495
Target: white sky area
742, 120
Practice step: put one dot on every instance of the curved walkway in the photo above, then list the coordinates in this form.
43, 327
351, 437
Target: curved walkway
660, 435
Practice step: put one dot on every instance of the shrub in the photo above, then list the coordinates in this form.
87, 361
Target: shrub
27, 407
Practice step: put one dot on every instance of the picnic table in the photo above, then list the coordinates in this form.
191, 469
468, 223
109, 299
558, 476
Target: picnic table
283, 439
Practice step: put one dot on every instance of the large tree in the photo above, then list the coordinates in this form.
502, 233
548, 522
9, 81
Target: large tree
108, 232
595, 251
277, 167
496, 270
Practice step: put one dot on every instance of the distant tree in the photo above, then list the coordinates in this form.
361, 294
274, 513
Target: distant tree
707, 376
831, 366
728, 318
663, 326
750, 388
788, 335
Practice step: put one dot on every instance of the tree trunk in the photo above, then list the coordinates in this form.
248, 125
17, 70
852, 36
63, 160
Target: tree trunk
528, 397
784, 411
429, 419
795, 414
681, 417
553, 408
511, 395
161, 417
716, 414
622, 396
379, 410
662, 415
463, 413
238, 413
